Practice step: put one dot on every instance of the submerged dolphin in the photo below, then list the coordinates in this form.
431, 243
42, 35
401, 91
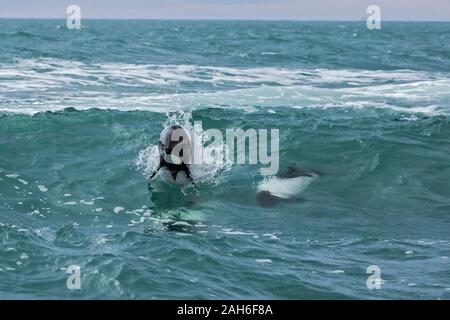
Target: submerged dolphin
285, 187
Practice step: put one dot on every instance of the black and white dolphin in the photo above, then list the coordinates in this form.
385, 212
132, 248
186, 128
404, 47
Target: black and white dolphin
285, 187
171, 161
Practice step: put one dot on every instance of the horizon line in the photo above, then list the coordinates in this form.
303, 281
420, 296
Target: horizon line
225, 19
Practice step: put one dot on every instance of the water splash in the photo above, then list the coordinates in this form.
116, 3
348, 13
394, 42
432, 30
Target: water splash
207, 172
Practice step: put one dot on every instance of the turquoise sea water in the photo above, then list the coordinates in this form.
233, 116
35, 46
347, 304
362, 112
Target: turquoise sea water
80, 109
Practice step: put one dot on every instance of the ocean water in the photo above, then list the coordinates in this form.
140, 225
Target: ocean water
81, 111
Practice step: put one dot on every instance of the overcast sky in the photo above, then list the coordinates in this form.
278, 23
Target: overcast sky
230, 9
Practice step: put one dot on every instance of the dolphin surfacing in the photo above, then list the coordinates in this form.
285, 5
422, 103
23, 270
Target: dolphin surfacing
285, 187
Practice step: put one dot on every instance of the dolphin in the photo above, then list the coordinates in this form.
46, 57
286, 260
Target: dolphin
285, 187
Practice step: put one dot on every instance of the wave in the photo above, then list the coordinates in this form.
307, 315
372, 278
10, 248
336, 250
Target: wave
396, 99
30, 73
35, 85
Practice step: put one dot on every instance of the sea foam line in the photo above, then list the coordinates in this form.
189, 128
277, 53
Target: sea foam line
29, 86
45, 73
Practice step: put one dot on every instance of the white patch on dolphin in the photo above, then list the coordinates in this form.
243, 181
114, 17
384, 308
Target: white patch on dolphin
285, 188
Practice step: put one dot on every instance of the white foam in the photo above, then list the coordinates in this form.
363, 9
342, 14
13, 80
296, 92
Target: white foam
271, 236
105, 86
263, 261
238, 233
337, 271
118, 209
42, 188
